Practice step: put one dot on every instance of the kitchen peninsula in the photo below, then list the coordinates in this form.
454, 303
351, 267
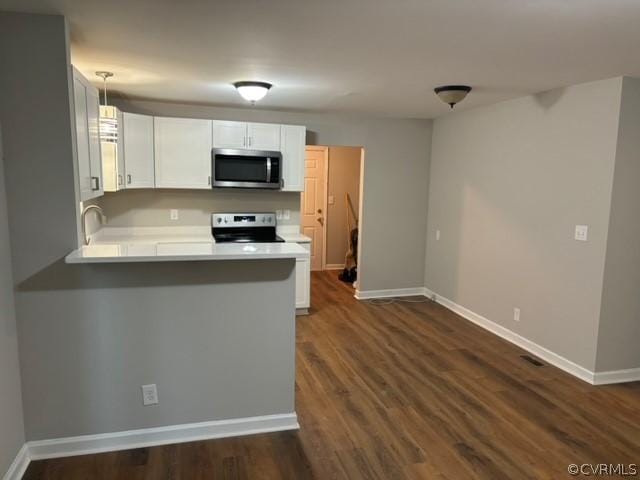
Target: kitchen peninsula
209, 324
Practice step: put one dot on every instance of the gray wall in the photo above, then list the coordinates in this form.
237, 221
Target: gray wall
619, 332
35, 112
509, 182
91, 335
11, 424
396, 181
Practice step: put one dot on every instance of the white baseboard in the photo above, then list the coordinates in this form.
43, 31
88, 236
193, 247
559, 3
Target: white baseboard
396, 292
334, 266
532, 347
594, 378
617, 376
19, 465
148, 437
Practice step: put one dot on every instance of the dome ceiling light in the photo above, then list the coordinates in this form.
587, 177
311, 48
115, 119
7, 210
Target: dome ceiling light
252, 91
452, 94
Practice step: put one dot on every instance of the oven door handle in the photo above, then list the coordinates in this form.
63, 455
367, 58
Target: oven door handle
268, 169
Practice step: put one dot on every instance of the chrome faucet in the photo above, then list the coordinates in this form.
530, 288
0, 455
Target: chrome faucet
103, 220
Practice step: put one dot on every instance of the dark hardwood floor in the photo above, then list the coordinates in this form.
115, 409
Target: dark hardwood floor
408, 390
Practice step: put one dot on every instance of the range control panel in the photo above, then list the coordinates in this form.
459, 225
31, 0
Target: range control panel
243, 220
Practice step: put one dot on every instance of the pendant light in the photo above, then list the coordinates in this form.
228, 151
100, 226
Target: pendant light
109, 122
252, 91
452, 94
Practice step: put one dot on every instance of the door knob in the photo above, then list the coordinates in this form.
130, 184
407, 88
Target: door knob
319, 210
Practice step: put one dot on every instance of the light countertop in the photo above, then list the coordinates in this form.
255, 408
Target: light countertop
166, 244
183, 251
291, 233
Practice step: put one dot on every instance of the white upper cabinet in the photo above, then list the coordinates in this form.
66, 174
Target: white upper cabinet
252, 136
292, 144
229, 134
137, 143
182, 152
112, 155
263, 136
88, 153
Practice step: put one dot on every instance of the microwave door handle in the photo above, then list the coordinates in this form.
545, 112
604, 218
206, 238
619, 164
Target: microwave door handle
268, 170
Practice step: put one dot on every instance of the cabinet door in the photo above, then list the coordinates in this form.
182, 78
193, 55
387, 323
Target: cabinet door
112, 159
139, 167
89, 162
82, 140
120, 166
263, 136
292, 139
303, 278
95, 153
182, 152
229, 134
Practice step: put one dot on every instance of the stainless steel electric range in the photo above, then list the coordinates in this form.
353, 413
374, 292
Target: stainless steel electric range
244, 227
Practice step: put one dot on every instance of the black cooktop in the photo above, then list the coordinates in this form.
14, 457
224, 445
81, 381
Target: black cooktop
246, 235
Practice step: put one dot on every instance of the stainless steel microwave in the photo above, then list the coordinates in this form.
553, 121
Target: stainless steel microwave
237, 168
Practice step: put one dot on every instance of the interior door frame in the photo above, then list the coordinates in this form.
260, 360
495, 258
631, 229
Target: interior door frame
325, 199
360, 217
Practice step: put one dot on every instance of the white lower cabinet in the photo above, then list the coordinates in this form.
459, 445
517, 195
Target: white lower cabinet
182, 152
303, 282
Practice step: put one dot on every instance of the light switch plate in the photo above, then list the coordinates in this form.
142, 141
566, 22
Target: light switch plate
287, 214
582, 233
173, 214
331, 200
437, 234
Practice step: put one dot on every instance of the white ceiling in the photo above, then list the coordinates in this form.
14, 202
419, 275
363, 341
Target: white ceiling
367, 56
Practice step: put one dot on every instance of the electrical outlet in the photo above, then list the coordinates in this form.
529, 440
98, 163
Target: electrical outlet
278, 214
437, 234
287, 214
516, 314
149, 394
582, 233
173, 214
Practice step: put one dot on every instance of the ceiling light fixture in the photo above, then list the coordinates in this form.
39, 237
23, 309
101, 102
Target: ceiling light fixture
108, 121
252, 91
452, 94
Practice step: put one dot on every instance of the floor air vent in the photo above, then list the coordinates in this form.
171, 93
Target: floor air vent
532, 360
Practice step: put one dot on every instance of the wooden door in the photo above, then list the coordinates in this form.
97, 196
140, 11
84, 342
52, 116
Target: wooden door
313, 200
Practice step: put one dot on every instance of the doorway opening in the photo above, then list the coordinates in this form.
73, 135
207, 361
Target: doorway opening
331, 209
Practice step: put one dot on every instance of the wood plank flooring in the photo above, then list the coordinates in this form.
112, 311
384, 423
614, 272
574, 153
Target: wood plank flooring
402, 391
